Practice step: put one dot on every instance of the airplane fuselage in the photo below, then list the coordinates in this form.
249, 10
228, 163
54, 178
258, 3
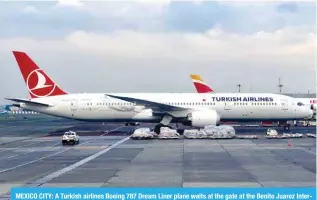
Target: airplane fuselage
229, 106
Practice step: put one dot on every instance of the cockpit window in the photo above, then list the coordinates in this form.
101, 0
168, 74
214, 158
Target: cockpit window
300, 104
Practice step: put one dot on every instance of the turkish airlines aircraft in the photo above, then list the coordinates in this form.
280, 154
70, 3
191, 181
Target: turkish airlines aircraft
202, 87
192, 109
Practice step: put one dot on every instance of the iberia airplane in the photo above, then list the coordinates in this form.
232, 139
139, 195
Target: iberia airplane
191, 109
202, 87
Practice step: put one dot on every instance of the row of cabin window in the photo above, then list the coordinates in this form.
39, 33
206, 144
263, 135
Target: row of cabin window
207, 103
102, 104
254, 104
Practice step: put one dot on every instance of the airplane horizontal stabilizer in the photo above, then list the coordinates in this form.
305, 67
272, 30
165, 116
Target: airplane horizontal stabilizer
28, 102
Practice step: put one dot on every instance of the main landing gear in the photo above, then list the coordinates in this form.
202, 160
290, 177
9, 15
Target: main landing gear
164, 123
157, 128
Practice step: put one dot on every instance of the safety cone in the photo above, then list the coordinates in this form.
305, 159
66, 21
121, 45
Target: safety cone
289, 144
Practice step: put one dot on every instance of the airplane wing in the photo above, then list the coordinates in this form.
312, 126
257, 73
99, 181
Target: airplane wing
28, 102
155, 106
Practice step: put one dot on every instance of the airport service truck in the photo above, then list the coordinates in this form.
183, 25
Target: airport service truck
70, 137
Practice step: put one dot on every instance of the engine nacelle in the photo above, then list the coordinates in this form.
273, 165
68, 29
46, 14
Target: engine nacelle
203, 118
313, 107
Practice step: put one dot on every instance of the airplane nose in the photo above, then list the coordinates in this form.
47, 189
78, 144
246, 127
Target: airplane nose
309, 113
304, 112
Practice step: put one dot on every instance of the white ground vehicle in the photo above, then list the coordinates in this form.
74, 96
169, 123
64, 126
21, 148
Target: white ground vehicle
70, 137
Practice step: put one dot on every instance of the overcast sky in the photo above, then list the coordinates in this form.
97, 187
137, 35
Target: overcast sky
153, 46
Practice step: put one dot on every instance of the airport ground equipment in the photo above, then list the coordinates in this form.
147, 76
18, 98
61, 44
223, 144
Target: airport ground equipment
194, 134
143, 133
311, 135
273, 134
146, 133
211, 132
168, 133
70, 137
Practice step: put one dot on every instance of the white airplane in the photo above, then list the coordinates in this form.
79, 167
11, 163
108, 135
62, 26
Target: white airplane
202, 87
9, 109
191, 109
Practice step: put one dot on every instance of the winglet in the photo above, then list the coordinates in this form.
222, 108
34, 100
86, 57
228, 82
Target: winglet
38, 83
199, 84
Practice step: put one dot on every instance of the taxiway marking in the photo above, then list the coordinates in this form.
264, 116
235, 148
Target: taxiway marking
58, 173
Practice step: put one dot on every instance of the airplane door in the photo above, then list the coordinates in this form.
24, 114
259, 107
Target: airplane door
227, 106
284, 104
73, 105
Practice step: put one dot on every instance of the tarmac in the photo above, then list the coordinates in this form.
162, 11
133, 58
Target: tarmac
107, 157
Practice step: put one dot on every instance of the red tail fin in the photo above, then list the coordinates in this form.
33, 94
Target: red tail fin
37, 82
199, 84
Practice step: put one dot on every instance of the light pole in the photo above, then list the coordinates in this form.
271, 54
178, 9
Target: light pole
280, 85
239, 86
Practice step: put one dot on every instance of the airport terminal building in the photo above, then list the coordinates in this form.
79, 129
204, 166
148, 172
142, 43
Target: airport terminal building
301, 95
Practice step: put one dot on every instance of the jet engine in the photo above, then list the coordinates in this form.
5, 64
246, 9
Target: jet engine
202, 118
313, 107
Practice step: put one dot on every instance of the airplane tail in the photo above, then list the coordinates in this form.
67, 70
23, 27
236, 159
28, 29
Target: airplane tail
39, 84
200, 85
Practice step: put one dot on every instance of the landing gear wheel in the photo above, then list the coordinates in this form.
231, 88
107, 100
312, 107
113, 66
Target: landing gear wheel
157, 128
180, 131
